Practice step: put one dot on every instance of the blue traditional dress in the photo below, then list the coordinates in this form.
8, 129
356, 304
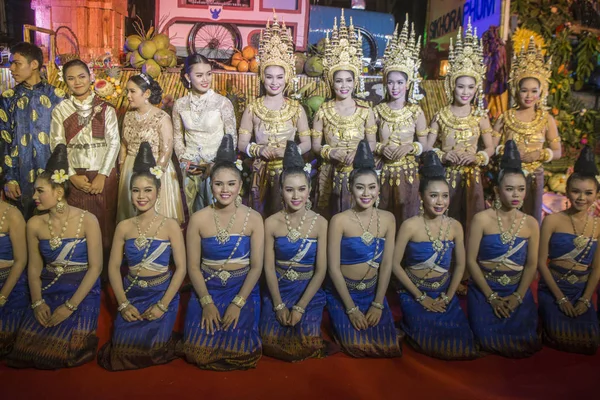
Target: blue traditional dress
73, 342
294, 267
25, 115
515, 336
381, 340
11, 314
141, 344
575, 335
236, 348
444, 335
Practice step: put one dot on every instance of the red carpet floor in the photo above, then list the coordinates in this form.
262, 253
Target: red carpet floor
547, 375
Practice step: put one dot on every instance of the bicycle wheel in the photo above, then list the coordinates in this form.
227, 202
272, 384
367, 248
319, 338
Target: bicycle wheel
214, 41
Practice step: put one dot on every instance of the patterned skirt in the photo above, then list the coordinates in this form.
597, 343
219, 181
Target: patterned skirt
237, 348
513, 337
400, 188
71, 343
265, 192
12, 313
141, 344
381, 340
444, 335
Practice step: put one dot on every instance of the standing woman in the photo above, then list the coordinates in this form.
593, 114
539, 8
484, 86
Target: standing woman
295, 266
224, 264
14, 293
65, 261
432, 319
148, 296
399, 123
529, 124
570, 241
344, 121
148, 123
88, 126
273, 119
502, 259
200, 120
360, 251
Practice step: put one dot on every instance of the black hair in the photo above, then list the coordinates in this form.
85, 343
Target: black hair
150, 84
30, 51
347, 70
226, 157
144, 160
74, 63
530, 77
58, 160
585, 168
293, 163
510, 162
363, 162
190, 61
431, 171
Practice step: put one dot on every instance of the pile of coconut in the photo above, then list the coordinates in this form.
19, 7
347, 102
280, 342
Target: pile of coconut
150, 51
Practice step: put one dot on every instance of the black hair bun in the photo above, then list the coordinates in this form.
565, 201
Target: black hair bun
226, 150
432, 166
58, 159
511, 159
292, 157
586, 163
144, 160
364, 156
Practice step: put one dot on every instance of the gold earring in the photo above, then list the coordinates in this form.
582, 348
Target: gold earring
60, 206
497, 203
377, 202
308, 205
238, 200
421, 210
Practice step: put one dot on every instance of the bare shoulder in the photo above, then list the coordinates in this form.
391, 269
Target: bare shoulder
172, 225
387, 218
456, 226
254, 217
273, 221
89, 219
14, 216
321, 222
36, 221
483, 216
338, 220
551, 220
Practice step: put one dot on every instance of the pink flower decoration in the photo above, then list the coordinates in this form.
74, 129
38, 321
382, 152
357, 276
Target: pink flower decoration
584, 141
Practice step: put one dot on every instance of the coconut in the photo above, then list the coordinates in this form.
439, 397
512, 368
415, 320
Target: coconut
314, 66
254, 66
151, 68
173, 48
173, 61
243, 66
249, 52
147, 49
300, 61
136, 60
132, 42
161, 41
314, 102
320, 48
163, 57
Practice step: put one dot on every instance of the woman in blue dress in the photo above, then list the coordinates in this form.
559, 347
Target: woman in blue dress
360, 250
569, 240
224, 261
502, 258
14, 293
432, 319
65, 261
295, 266
148, 296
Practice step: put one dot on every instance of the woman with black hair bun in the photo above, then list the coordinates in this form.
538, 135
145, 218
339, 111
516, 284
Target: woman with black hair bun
148, 123
200, 120
432, 319
295, 266
569, 241
224, 262
360, 250
65, 261
148, 296
502, 255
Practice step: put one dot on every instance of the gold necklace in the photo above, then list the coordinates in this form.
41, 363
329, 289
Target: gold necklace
293, 234
581, 240
436, 244
506, 237
56, 241
367, 237
223, 234
141, 241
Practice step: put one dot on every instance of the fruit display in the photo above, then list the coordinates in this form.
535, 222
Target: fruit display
243, 61
150, 51
108, 85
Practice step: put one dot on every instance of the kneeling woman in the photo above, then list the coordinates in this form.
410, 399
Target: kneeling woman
432, 319
570, 240
224, 264
360, 251
65, 261
502, 263
295, 266
148, 296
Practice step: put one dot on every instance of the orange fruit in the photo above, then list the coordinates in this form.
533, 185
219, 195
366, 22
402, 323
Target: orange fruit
254, 66
243, 66
235, 60
249, 52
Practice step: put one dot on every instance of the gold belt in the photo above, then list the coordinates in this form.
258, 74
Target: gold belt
362, 285
343, 169
223, 274
144, 283
292, 275
85, 146
274, 165
504, 279
4, 272
408, 160
59, 269
421, 283
532, 166
569, 277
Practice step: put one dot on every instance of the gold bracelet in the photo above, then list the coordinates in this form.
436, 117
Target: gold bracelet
496, 134
255, 150
238, 301
38, 303
352, 310
555, 140
486, 131
379, 148
439, 153
325, 150
205, 300
279, 307
377, 305
304, 133
123, 305
315, 134
423, 133
302, 310
243, 131
70, 306
161, 306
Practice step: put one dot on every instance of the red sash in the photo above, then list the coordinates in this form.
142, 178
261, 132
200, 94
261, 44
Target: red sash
72, 127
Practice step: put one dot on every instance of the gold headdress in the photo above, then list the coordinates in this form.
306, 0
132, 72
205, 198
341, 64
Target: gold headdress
343, 52
465, 59
529, 63
276, 47
402, 55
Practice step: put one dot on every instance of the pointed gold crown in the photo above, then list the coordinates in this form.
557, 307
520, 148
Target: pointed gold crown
530, 63
402, 55
276, 47
465, 59
343, 52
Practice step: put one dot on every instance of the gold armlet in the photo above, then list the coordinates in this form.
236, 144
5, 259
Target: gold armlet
371, 130
325, 151
315, 134
423, 133
242, 131
305, 133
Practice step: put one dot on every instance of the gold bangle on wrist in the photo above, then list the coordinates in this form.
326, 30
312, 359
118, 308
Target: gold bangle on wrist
563, 300
279, 307
161, 306
518, 296
38, 303
377, 305
70, 306
379, 148
298, 309
123, 305
585, 301
352, 310
238, 301
3, 300
205, 300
